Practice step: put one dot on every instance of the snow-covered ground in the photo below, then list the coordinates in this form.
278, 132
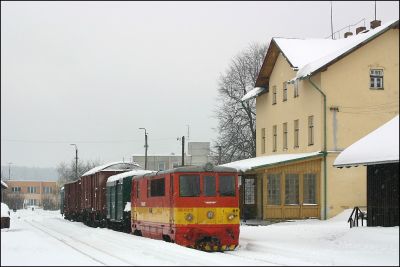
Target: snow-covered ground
44, 238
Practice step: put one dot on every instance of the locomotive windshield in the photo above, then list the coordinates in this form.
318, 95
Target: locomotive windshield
189, 185
209, 186
227, 186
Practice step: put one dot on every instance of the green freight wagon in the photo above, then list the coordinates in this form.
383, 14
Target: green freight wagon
118, 198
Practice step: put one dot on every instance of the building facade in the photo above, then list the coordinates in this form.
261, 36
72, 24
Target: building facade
320, 96
198, 154
21, 194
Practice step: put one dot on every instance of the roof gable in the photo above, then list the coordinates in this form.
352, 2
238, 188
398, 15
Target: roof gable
309, 56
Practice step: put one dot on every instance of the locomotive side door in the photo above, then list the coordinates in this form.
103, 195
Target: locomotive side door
171, 202
134, 199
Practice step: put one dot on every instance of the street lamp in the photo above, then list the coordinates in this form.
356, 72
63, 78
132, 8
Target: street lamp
76, 160
145, 146
9, 170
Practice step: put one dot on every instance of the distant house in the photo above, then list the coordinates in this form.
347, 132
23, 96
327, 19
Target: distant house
315, 97
22, 194
379, 151
198, 154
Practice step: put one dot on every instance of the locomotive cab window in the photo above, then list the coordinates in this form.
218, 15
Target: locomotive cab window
189, 185
227, 186
156, 188
209, 186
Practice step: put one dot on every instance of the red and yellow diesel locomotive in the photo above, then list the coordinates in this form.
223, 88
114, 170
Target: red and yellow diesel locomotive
192, 206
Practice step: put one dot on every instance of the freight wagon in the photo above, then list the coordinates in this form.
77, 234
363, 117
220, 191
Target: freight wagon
85, 198
93, 196
118, 197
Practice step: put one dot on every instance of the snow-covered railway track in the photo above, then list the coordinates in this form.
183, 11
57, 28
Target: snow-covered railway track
82, 247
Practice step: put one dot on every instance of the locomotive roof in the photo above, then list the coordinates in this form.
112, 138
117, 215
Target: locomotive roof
119, 176
205, 168
114, 166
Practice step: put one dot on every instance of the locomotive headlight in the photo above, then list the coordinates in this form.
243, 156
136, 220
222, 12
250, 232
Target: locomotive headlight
189, 217
210, 214
231, 216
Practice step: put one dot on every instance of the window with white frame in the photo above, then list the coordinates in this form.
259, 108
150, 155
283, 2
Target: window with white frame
31, 189
292, 188
285, 145
284, 91
249, 186
33, 202
296, 88
376, 79
161, 166
262, 140
274, 140
274, 189
273, 95
296, 133
310, 130
16, 189
47, 190
309, 188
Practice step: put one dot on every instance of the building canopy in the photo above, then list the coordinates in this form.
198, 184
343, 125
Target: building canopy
266, 161
378, 147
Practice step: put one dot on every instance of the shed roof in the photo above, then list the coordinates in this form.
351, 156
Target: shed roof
378, 147
119, 176
119, 165
265, 161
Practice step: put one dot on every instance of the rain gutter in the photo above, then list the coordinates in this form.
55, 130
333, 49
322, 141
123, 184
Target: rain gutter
324, 151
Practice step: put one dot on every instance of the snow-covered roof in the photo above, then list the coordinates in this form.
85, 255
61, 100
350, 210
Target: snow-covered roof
4, 185
263, 161
4, 210
310, 55
119, 165
379, 146
127, 174
253, 93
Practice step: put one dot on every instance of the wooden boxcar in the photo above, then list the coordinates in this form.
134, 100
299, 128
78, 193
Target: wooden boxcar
62, 192
192, 206
72, 203
118, 197
93, 195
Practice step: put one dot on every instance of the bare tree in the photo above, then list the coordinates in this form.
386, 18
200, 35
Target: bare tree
236, 119
66, 173
14, 200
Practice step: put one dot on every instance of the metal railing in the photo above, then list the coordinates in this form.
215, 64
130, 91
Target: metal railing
356, 215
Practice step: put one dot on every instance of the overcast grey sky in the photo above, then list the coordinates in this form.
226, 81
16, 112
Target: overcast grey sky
92, 73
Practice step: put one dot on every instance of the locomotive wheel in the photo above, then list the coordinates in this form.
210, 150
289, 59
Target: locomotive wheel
208, 244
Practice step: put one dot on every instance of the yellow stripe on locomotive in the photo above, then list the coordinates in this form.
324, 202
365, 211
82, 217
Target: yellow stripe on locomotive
183, 216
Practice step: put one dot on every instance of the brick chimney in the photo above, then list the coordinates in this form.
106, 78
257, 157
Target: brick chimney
347, 34
360, 29
375, 23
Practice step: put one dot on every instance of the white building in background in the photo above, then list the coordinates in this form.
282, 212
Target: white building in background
198, 154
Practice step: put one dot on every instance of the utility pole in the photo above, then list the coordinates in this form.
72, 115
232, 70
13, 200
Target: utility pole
76, 160
145, 146
9, 170
219, 154
183, 150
